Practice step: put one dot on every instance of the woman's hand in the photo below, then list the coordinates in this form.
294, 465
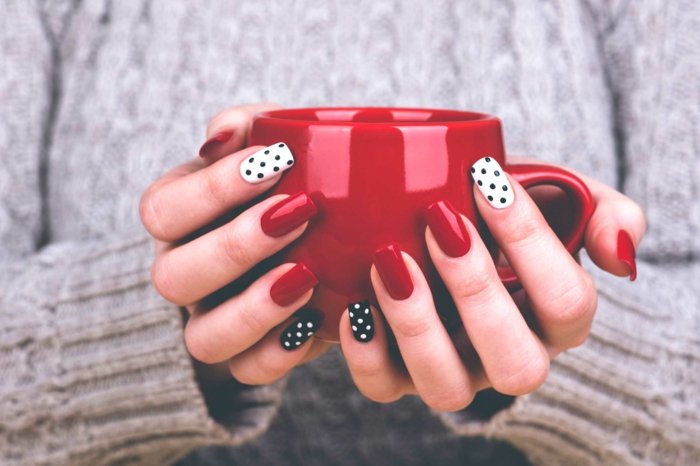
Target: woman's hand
200, 252
506, 342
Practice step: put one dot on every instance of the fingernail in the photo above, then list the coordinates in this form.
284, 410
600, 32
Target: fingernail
266, 163
296, 334
287, 215
626, 252
361, 321
292, 285
393, 272
493, 183
214, 142
448, 229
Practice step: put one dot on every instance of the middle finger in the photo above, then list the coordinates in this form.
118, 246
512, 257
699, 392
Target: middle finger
190, 272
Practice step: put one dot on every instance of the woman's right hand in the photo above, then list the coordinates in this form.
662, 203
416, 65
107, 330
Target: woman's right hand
194, 261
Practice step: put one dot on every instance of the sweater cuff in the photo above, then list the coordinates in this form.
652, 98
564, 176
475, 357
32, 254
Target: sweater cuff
615, 399
115, 376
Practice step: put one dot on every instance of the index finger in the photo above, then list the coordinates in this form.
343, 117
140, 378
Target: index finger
187, 199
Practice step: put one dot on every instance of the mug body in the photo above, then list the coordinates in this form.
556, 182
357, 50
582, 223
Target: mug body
371, 173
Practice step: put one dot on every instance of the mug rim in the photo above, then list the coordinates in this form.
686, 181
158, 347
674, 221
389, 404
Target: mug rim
341, 116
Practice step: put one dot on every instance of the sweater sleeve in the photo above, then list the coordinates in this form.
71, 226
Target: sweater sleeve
630, 394
93, 366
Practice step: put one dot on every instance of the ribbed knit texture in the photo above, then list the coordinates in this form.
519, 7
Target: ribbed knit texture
100, 98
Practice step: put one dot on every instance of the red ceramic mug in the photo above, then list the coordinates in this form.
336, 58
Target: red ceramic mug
371, 173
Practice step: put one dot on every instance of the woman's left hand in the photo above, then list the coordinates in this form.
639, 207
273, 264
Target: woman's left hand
506, 341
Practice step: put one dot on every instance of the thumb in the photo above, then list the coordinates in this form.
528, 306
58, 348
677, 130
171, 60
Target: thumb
614, 231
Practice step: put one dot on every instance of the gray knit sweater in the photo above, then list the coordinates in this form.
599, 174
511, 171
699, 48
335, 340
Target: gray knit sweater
99, 98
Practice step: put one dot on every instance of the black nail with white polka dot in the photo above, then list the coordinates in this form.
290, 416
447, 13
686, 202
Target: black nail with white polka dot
361, 321
297, 333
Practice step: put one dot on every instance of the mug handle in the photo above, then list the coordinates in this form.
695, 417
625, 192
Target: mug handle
530, 175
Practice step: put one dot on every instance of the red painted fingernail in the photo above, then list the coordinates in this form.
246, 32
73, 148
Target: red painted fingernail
393, 272
214, 142
626, 252
287, 215
292, 285
448, 229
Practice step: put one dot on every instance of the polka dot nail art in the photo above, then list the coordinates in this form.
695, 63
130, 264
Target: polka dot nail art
492, 182
361, 321
266, 163
297, 333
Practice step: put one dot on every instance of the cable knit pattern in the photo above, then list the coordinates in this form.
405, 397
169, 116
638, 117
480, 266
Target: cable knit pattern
100, 98
654, 63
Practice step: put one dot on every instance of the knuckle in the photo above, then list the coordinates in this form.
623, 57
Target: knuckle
414, 327
269, 370
161, 278
384, 395
527, 232
524, 378
576, 303
198, 346
216, 189
243, 376
252, 320
480, 284
235, 247
364, 368
452, 399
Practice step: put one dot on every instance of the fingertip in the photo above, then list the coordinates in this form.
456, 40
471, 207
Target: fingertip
610, 246
344, 331
218, 145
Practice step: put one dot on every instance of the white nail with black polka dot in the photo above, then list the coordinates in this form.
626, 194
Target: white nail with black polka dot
266, 163
298, 332
361, 321
493, 183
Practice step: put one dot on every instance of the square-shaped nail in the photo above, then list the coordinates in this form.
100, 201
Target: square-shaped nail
292, 285
266, 163
493, 183
287, 215
393, 272
361, 321
298, 332
448, 228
